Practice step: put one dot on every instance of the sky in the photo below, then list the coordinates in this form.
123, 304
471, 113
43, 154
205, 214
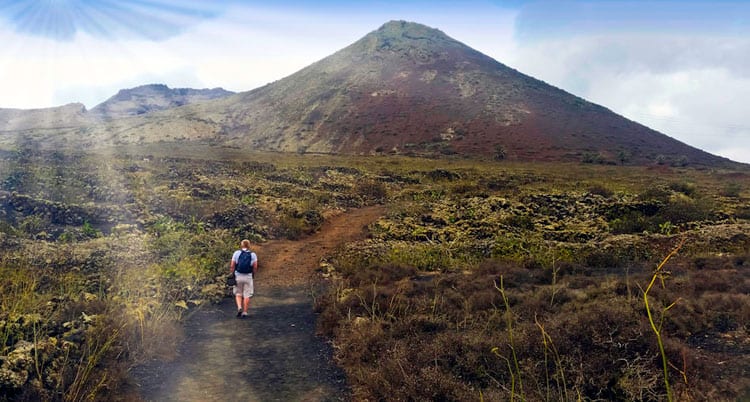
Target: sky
680, 67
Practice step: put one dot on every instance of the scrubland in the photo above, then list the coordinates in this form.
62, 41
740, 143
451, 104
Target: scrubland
485, 280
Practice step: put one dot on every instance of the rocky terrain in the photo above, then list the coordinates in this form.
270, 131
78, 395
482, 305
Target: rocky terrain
478, 263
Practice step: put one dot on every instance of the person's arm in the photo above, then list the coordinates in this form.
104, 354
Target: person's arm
231, 266
255, 266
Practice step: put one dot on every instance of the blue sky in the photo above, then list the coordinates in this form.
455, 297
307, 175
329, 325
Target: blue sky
681, 67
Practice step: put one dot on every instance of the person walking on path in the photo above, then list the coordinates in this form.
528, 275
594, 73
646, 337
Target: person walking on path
244, 265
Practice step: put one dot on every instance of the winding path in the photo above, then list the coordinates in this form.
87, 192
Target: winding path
273, 355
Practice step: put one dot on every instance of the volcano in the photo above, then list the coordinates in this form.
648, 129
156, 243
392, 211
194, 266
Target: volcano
404, 88
409, 88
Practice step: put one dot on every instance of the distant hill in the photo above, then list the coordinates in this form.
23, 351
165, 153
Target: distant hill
149, 98
73, 114
127, 102
404, 88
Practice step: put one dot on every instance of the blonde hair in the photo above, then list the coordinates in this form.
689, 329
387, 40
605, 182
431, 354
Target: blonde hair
245, 244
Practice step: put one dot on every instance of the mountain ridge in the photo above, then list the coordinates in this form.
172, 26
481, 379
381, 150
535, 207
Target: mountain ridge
152, 97
140, 100
403, 88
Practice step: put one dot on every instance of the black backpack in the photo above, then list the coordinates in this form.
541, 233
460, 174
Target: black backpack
244, 262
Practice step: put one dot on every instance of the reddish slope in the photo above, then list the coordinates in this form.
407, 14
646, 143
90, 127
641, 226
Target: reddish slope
406, 87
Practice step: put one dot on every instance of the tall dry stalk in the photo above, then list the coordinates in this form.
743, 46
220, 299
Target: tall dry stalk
549, 347
509, 326
659, 273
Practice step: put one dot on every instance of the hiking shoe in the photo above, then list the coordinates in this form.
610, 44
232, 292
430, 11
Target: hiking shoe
239, 313
244, 315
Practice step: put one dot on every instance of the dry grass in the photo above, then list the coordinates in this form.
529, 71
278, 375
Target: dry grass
133, 244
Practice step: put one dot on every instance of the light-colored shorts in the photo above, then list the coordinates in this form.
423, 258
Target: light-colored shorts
244, 285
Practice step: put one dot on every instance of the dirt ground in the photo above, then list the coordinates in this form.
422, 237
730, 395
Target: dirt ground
273, 355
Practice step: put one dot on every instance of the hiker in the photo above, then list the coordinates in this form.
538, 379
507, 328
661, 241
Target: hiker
244, 265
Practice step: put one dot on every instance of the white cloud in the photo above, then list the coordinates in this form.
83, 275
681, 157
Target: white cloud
37, 71
241, 50
248, 48
738, 153
692, 89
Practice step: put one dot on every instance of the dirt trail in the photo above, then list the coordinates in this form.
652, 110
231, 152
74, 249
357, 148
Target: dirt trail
273, 355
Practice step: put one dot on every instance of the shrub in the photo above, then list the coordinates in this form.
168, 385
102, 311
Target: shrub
623, 156
371, 190
442, 174
603, 259
682, 161
682, 209
519, 221
732, 190
292, 227
592, 157
598, 189
500, 152
686, 188
655, 193
426, 257
631, 222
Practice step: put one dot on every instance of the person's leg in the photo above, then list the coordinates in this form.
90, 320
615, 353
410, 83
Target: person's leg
238, 290
247, 293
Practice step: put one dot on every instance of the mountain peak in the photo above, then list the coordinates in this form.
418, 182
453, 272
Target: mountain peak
405, 36
411, 30
146, 88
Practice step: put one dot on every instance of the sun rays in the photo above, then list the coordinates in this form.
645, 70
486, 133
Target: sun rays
62, 19
60, 51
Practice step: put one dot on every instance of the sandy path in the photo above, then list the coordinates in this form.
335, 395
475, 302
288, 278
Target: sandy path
273, 355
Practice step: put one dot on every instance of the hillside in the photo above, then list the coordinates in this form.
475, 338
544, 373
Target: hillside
73, 114
404, 88
409, 88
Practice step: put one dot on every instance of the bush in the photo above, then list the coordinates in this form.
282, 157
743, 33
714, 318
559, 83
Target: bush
371, 190
443, 175
686, 188
655, 193
742, 212
682, 209
598, 189
631, 222
732, 190
603, 259
682, 161
519, 221
592, 157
